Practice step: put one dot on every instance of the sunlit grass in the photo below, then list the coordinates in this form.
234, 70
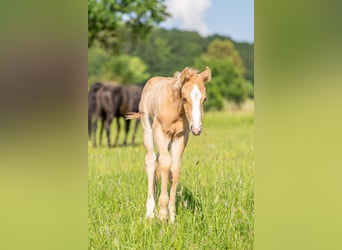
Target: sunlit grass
215, 201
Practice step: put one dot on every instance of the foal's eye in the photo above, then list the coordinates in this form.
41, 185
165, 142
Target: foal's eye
205, 99
184, 100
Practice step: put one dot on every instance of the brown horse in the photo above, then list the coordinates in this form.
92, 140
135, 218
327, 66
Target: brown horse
169, 108
114, 101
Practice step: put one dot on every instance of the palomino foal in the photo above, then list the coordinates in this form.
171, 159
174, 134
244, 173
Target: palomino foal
169, 108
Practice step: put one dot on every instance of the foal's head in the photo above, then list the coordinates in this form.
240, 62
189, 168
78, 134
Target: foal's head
193, 96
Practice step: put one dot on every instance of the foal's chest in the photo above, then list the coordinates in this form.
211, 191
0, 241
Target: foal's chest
176, 128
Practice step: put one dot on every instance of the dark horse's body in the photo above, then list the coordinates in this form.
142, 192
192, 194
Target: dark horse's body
114, 101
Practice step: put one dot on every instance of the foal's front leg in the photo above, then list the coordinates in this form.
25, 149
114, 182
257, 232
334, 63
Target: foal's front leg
177, 148
164, 162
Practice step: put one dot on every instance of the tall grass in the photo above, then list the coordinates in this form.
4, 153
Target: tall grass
215, 197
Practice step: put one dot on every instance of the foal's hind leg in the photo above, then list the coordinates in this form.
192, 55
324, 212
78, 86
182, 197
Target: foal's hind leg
150, 160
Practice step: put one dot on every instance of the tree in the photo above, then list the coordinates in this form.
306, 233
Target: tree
165, 51
97, 57
124, 69
215, 99
112, 21
223, 49
226, 73
249, 89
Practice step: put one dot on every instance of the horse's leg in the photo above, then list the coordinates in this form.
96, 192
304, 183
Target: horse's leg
90, 117
127, 123
150, 161
177, 148
101, 130
135, 131
117, 131
108, 123
164, 162
95, 128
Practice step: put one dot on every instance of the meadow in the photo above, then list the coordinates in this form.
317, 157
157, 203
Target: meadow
215, 194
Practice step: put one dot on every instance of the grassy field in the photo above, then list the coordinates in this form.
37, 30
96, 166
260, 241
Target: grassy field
215, 198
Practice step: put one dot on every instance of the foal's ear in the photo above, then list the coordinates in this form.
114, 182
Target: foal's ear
176, 74
185, 75
206, 75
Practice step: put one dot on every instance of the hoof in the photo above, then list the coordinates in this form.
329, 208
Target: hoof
162, 215
149, 216
172, 210
172, 218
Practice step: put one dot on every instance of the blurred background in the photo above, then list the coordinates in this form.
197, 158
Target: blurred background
130, 41
44, 168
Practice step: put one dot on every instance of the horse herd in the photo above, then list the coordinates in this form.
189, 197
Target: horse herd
168, 108
108, 101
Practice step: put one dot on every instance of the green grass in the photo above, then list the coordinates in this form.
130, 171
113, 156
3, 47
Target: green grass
215, 198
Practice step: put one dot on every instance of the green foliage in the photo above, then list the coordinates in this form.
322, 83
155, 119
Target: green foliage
166, 51
223, 49
111, 21
215, 99
237, 92
246, 51
226, 78
123, 69
97, 57
215, 194
249, 89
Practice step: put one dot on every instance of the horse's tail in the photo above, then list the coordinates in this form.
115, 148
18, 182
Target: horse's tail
92, 103
133, 115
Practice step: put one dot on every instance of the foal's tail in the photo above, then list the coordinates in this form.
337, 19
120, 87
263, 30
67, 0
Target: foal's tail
133, 115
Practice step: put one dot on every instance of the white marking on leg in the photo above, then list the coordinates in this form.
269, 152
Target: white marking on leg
196, 109
172, 210
150, 207
150, 159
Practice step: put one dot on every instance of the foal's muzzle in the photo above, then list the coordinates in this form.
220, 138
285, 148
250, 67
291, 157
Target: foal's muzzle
196, 131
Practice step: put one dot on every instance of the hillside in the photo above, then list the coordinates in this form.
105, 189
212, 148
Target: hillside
168, 50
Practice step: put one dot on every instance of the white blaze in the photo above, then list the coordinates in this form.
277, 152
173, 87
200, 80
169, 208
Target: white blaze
196, 109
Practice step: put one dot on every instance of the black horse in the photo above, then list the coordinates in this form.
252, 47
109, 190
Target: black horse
92, 105
134, 93
115, 101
